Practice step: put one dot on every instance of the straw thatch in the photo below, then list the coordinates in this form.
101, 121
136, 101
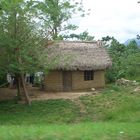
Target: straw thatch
70, 55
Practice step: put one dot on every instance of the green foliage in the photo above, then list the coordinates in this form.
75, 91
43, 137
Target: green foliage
132, 47
82, 36
56, 15
125, 59
3, 79
20, 40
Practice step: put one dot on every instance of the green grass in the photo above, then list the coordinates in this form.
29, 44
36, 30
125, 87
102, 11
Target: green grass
51, 111
113, 114
82, 131
114, 104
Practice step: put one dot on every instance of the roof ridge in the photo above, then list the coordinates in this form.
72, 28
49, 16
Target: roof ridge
78, 41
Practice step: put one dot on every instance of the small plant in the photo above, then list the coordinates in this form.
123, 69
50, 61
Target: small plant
115, 88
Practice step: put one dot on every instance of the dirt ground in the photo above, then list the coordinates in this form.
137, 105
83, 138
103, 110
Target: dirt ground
37, 94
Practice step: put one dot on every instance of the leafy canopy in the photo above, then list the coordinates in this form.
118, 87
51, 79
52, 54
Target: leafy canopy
20, 40
56, 15
126, 59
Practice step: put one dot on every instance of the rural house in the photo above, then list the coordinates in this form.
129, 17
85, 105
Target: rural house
76, 66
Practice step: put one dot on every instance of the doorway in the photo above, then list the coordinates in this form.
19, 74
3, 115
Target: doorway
67, 80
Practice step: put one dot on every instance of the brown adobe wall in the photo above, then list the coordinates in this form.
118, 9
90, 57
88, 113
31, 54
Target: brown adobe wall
53, 81
79, 83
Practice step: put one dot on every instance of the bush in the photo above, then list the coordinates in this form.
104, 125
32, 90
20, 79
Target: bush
3, 79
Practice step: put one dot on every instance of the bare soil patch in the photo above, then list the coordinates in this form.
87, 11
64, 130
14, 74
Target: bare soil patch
37, 94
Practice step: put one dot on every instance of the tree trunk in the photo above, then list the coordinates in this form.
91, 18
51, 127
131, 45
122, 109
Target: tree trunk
27, 98
19, 96
55, 34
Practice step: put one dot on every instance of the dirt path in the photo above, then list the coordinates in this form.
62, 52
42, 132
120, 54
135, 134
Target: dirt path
65, 95
36, 94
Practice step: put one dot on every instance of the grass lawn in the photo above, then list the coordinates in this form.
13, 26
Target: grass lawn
113, 114
82, 131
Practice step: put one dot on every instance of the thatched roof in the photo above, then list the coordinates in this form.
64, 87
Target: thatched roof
69, 55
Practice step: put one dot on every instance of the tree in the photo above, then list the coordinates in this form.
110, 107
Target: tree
133, 59
84, 36
125, 59
56, 15
21, 45
116, 52
107, 38
132, 46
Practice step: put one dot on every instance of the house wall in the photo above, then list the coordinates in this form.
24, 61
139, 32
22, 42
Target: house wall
54, 81
79, 83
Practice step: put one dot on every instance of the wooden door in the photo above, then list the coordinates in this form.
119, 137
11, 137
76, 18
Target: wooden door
67, 81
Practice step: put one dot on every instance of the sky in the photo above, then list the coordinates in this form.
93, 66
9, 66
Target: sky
118, 18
